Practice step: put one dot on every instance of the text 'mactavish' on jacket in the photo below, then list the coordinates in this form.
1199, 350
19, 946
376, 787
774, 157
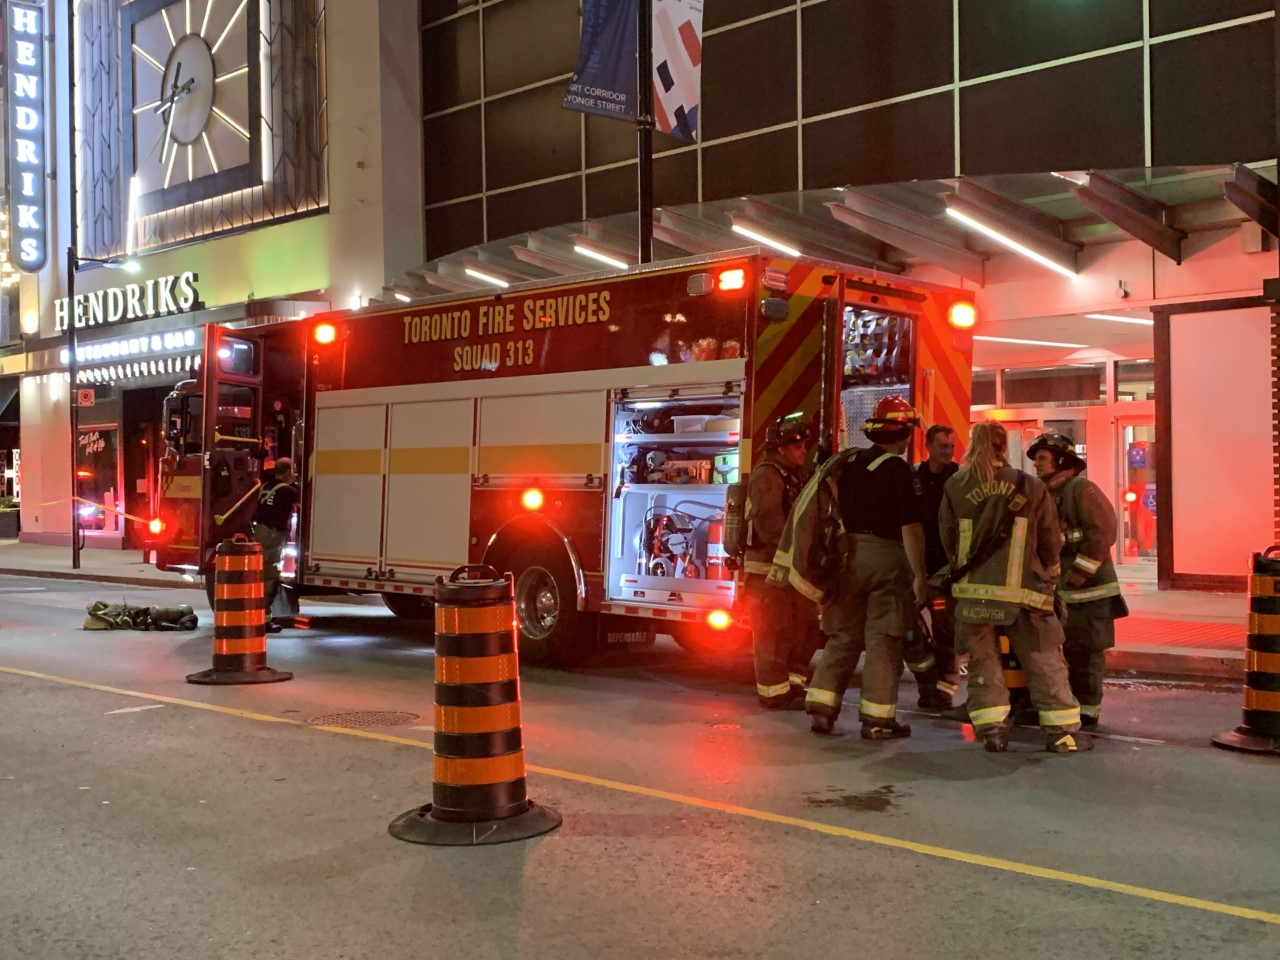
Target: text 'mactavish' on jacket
1089, 529
1021, 573
813, 539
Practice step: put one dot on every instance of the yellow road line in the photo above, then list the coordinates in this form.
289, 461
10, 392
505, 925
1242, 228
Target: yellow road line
814, 826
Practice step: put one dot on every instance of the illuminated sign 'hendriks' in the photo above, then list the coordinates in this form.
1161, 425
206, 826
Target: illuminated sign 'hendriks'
28, 159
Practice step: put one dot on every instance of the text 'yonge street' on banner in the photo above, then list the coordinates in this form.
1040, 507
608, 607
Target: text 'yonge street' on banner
604, 81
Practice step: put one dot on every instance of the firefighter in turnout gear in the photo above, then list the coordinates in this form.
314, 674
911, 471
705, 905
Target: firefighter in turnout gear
883, 583
784, 624
1001, 534
1088, 587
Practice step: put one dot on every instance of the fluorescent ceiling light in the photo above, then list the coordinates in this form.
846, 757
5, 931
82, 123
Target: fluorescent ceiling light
486, 278
596, 255
767, 241
1033, 343
1109, 316
1009, 242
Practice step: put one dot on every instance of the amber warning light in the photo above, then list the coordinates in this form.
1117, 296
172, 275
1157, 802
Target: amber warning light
531, 499
963, 316
325, 333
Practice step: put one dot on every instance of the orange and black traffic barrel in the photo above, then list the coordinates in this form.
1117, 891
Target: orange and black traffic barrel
478, 791
239, 619
1260, 731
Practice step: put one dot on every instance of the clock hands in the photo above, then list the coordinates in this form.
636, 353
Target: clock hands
170, 102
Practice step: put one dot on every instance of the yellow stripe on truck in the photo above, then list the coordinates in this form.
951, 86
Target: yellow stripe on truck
543, 459
348, 463
431, 461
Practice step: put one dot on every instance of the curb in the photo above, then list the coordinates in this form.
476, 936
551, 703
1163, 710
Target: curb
1192, 666
95, 577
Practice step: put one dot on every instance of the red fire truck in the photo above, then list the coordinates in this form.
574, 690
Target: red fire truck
581, 433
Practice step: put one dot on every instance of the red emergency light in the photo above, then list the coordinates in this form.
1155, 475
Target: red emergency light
719, 620
156, 526
325, 333
532, 499
962, 315
1130, 497
731, 280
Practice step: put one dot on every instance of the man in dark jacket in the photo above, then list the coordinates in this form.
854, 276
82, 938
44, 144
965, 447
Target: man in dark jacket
937, 680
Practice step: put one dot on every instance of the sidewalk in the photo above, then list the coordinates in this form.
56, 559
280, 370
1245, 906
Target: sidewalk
1167, 633
110, 566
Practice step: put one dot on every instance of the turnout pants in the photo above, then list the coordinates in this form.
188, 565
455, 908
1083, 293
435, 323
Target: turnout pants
784, 634
871, 611
942, 625
272, 543
1087, 641
1036, 639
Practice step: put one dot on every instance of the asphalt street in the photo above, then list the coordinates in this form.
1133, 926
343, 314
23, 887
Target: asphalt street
144, 817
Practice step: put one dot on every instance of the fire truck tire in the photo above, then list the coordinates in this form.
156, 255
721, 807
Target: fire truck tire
208, 588
408, 607
553, 631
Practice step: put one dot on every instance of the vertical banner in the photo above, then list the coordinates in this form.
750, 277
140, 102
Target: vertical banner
677, 66
604, 81
28, 164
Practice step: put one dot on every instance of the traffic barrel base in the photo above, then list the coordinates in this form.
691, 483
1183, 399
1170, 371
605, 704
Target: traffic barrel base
419, 826
1247, 740
1260, 731
478, 784
239, 620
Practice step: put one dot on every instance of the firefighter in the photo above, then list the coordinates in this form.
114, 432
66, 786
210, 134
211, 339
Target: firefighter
1000, 531
1088, 588
883, 582
784, 623
277, 500
938, 675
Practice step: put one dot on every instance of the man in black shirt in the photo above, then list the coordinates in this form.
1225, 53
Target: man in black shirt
883, 582
938, 685
277, 500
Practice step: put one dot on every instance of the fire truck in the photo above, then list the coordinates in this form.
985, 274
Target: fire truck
581, 433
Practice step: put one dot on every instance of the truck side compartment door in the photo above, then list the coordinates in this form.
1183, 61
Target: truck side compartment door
426, 524
348, 480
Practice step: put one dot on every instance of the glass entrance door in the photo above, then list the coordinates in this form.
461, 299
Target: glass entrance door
1136, 496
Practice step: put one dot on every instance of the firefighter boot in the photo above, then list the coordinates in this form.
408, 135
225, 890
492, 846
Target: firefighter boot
884, 730
822, 724
933, 700
1068, 743
997, 741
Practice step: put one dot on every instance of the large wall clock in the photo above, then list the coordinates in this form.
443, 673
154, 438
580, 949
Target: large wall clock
192, 74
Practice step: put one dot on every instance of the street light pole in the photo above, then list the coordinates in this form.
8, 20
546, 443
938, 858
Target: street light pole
72, 366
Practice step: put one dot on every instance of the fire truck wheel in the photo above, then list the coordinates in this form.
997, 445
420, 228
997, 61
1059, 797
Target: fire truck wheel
208, 588
553, 632
408, 607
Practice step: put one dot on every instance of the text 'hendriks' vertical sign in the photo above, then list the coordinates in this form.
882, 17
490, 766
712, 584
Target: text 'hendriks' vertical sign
28, 162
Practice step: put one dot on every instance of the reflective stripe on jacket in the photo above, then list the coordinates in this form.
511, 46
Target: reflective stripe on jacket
1020, 573
1089, 532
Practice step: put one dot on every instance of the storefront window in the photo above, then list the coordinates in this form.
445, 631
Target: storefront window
1065, 386
98, 479
984, 388
1136, 380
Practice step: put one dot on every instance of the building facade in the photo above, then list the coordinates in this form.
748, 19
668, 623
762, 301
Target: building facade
253, 162
1130, 142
